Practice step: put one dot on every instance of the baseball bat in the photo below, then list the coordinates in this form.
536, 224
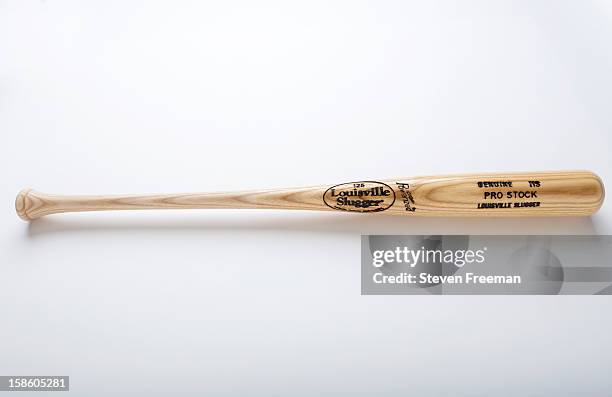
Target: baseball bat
577, 193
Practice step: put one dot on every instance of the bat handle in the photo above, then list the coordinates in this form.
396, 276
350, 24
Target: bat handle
31, 204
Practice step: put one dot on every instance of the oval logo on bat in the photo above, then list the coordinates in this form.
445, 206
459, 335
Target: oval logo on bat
366, 196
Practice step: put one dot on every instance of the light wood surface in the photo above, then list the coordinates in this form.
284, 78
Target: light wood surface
577, 193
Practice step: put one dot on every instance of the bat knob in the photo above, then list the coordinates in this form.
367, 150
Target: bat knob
21, 204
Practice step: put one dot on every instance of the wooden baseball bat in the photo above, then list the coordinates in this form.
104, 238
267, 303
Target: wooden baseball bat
577, 193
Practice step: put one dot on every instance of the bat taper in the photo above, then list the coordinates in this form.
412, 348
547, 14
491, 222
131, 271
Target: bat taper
576, 193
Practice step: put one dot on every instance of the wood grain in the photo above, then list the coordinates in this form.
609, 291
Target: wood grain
577, 193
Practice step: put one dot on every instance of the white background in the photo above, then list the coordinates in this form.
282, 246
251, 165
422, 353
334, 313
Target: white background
139, 97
